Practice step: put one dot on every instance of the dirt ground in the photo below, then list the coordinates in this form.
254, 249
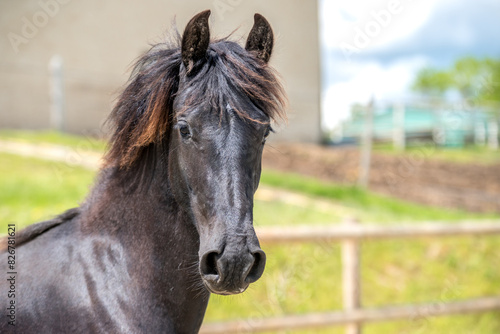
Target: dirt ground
416, 177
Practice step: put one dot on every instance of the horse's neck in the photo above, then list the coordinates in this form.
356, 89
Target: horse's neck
160, 246
141, 215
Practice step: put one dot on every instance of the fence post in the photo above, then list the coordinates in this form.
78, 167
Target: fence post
493, 134
56, 93
366, 148
479, 133
398, 130
351, 277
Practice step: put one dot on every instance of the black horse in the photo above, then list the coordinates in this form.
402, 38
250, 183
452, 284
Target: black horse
170, 218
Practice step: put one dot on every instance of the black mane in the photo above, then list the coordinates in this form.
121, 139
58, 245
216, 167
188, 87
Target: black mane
143, 114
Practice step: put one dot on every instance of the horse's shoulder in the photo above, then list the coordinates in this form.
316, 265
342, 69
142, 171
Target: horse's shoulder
31, 232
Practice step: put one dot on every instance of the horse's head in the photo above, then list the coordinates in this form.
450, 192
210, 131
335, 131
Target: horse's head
221, 121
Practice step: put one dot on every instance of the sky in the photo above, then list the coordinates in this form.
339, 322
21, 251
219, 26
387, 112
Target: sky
374, 48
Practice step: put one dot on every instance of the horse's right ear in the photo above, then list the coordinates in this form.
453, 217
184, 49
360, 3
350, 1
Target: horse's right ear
195, 40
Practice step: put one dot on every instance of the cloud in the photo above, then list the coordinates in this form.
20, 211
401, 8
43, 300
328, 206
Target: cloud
455, 28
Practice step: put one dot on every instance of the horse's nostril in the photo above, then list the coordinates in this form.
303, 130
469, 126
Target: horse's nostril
231, 272
258, 266
208, 264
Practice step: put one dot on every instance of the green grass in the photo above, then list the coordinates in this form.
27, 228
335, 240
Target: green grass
303, 278
281, 213
32, 190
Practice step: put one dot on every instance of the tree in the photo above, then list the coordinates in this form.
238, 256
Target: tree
490, 89
432, 81
477, 80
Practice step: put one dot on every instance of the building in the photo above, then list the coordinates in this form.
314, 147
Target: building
97, 42
414, 124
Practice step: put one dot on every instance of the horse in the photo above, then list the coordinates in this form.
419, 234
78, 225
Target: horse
169, 219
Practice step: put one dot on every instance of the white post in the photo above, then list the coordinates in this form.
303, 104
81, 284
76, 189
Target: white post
398, 134
438, 133
493, 134
366, 148
56, 93
479, 134
351, 278
338, 133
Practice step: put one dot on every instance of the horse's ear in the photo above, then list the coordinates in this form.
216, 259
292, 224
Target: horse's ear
195, 39
260, 38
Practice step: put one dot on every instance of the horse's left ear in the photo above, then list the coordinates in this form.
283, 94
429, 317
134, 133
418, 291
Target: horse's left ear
195, 39
261, 38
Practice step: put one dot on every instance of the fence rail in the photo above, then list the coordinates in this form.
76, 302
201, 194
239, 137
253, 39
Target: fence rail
375, 231
353, 316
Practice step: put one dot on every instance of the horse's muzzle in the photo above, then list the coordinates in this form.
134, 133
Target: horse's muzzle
231, 271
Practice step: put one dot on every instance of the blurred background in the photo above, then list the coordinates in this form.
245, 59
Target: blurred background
87, 48
394, 110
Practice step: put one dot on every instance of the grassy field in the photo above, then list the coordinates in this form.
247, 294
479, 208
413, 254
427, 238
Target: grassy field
302, 278
32, 190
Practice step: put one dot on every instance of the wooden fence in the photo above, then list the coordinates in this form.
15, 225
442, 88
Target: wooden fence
351, 234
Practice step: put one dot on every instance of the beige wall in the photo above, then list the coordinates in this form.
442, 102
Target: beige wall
99, 39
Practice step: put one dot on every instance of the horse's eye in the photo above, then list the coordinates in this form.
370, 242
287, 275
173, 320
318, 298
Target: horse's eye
266, 134
184, 131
